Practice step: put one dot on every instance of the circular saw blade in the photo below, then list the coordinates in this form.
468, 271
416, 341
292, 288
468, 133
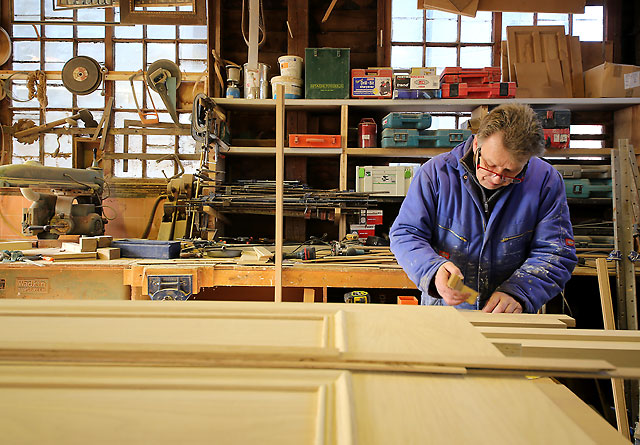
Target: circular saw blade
81, 75
164, 64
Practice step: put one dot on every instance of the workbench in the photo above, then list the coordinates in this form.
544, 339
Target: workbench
126, 279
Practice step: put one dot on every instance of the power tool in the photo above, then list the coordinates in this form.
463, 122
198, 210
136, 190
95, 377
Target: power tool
357, 296
307, 253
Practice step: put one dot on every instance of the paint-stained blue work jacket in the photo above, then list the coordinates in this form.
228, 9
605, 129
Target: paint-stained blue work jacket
525, 248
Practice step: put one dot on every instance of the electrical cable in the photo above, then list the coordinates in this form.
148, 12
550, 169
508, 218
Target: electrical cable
261, 25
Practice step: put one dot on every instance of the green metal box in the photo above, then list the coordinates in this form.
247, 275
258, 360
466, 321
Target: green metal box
326, 73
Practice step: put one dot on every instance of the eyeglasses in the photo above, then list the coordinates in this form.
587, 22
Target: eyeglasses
503, 178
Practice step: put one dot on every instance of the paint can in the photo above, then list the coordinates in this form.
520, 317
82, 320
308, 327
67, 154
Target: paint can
293, 86
256, 82
290, 66
367, 133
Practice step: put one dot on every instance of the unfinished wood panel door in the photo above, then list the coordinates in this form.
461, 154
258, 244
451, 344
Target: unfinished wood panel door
76, 400
539, 44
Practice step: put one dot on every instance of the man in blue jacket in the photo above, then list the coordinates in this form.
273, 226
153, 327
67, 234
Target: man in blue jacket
491, 212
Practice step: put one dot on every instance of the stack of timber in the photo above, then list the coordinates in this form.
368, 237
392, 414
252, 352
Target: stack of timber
276, 373
259, 197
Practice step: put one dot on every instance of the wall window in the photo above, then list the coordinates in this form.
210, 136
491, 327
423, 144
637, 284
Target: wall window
440, 39
130, 48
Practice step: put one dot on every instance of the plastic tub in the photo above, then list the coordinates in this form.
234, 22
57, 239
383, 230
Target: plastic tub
290, 66
293, 86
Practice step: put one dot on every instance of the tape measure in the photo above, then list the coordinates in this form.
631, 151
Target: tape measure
81, 75
357, 296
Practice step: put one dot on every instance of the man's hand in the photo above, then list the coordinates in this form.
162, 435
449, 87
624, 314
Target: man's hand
501, 302
451, 296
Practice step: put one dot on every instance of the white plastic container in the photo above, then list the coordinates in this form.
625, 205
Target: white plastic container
384, 180
290, 66
293, 86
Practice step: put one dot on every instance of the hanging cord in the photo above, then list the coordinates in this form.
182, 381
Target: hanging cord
261, 25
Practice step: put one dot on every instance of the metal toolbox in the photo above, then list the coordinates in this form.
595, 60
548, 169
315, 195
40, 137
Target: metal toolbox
411, 138
326, 73
315, 140
554, 118
470, 76
485, 91
417, 120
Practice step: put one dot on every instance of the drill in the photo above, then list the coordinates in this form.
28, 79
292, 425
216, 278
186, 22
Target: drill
307, 253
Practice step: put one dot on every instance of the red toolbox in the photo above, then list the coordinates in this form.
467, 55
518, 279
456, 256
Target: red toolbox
470, 76
557, 137
372, 83
488, 91
315, 140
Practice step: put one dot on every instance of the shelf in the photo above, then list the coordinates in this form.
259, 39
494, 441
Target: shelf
271, 151
431, 105
398, 152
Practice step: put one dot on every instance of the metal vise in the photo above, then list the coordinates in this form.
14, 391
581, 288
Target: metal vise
66, 201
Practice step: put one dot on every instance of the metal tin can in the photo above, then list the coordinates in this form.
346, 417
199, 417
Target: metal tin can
367, 133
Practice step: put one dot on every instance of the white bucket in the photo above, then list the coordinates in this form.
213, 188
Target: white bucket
290, 66
293, 86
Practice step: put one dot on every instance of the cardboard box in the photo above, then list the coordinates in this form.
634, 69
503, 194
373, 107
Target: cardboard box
612, 80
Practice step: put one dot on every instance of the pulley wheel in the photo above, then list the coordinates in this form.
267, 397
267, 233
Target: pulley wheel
81, 75
164, 64
5, 46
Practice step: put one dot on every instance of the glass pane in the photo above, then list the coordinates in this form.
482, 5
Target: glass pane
19, 91
124, 95
187, 145
91, 15
26, 66
26, 9
478, 29
475, 56
192, 51
161, 32
56, 54
128, 56
50, 13
407, 30
134, 168
515, 19
156, 51
26, 51
161, 169
190, 166
128, 32
443, 123
59, 97
192, 66
590, 25
193, 32
406, 56
24, 31
91, 32
93, 100
441, 58
554, 19
59, 32
95, 50
441, 27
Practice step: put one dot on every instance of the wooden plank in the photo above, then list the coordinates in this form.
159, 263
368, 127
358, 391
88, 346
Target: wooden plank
516, 333
309, 295
577, 76
617, 385
280, 134
589, 420
58, 254
478, 318
108, 253
16, 245
456, 283
84, 245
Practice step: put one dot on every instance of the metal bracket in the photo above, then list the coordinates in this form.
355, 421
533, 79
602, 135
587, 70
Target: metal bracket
170, 287
615, 255
634, 256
